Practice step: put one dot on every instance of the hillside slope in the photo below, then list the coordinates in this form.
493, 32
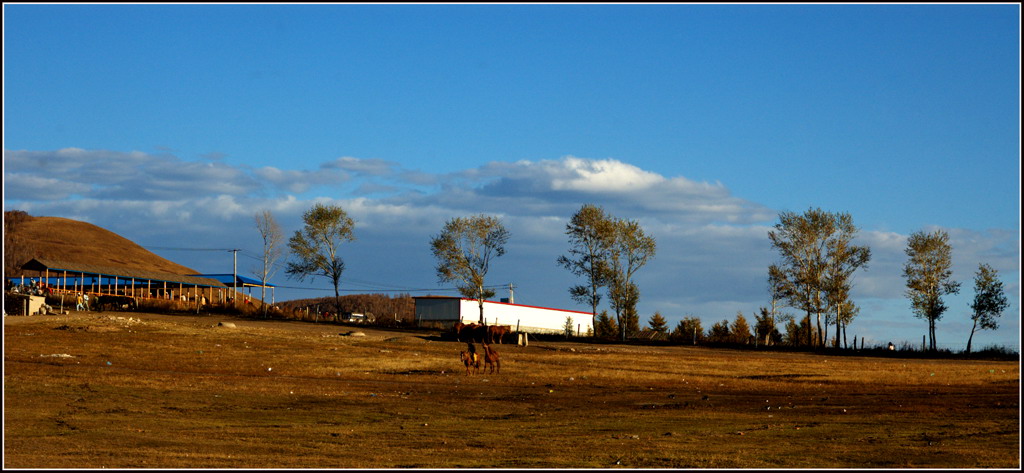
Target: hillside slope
62, 239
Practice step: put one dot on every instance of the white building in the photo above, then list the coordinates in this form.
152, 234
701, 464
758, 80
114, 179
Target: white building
524, 318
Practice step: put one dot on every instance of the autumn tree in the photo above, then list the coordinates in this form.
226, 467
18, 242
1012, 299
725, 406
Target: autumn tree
464, 251
631, 249
740, 330
800, 240
817, 259
794, 335
315, 248
590, 232
719, 332
797, 332
605, 326
658, 323
989, 301
765, 329
928, 273
272, 236
847, 312
688, 330
843, 258
630, 325
778, 289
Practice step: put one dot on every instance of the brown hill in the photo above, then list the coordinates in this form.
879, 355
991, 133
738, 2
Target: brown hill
62, 239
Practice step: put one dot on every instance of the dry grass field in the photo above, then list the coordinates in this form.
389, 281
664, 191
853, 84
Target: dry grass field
121, 390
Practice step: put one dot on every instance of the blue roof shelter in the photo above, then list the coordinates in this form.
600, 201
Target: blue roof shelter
238, 281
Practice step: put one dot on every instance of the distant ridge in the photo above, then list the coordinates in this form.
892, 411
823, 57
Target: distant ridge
63, 239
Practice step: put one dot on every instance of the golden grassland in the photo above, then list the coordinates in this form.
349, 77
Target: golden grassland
121, 390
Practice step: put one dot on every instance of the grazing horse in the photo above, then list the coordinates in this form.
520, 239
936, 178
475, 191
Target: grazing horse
465, 333
480, 333
496, 332
473, 333
470, 359
492, 359
457, 329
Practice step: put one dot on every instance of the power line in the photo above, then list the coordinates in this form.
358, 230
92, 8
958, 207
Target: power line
368, 286
168, 248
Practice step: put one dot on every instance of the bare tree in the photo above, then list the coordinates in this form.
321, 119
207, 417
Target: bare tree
272, 237
464, 250
928, 273
316, 246
989, 301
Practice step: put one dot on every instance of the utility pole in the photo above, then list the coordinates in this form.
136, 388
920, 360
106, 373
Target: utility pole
511, 294
234, 278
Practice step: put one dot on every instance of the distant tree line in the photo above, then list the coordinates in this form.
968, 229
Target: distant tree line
814, 273
387, 309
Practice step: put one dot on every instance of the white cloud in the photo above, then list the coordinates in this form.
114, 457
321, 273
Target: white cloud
299, 182
607, 175
367, 167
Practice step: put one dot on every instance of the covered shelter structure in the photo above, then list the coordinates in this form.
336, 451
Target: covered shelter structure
67, 277
238, 281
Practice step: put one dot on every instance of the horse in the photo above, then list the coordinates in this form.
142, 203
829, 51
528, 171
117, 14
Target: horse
470, 359
456, 328
473, 333
496, 332
492, 359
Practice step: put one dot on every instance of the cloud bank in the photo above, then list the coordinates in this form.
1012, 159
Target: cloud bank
713, 250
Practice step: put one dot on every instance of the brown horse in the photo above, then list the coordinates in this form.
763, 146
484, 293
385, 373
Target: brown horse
470, 359
496, 332
457, 329
473, 333
492, 359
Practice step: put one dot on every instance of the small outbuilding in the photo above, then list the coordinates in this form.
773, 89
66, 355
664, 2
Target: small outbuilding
446, 310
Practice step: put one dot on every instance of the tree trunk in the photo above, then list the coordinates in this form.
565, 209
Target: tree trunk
972, 336
819, 341
935, 343
839, 325
622, 326
810, 341
337, 296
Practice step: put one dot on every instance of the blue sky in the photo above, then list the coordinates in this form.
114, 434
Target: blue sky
173, 124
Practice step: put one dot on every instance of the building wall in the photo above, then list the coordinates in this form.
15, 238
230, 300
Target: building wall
526, 318
445, 310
